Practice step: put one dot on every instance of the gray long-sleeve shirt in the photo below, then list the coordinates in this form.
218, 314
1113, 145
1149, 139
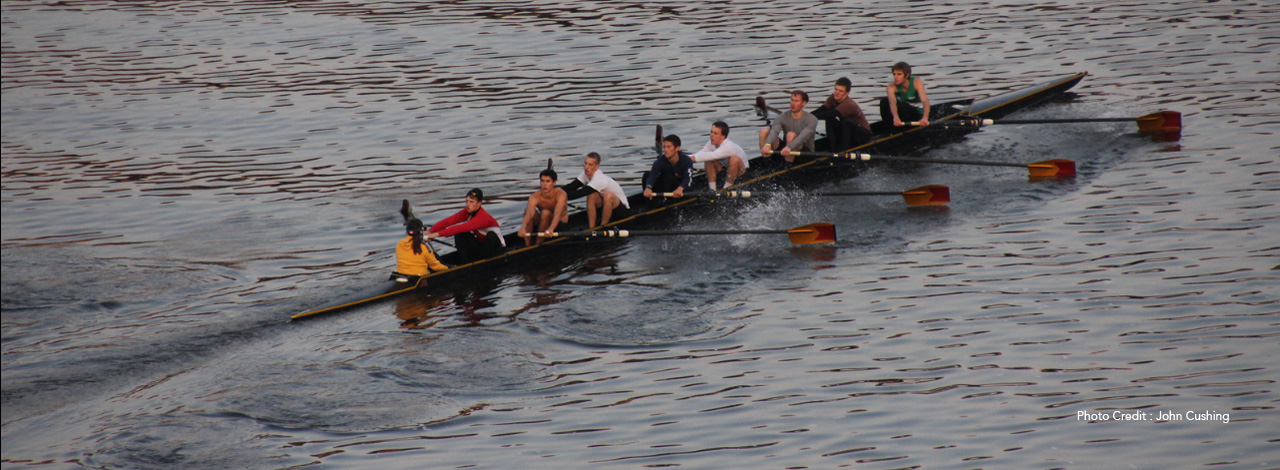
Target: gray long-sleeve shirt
805, 128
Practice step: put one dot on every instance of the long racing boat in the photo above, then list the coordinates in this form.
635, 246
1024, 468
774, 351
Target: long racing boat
764, 173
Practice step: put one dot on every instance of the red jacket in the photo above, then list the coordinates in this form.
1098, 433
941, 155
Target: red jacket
463, 221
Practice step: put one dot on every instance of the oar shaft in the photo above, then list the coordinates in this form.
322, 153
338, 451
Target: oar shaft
867, 156
639, 233
861, 193
1055, 121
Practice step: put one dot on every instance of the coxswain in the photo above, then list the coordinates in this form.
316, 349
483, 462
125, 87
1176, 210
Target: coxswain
414, 257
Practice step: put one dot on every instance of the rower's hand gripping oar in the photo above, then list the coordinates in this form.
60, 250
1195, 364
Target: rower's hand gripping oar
931, 195
803, 235
1058, 167
1161, 121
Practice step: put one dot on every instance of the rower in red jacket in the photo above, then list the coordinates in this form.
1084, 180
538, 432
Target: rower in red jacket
475, 233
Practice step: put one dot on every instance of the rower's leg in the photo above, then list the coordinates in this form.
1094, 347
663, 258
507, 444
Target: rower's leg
736, 169
593, 201
712, 168
468, 247
791, 137
544, 221
610, 202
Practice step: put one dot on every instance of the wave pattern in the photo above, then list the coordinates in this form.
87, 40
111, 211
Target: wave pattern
180, 176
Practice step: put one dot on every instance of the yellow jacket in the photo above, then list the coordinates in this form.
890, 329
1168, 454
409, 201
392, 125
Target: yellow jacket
407, 262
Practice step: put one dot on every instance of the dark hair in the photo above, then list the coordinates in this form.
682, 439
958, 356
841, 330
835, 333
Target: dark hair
674, 139
844, 82
803, 97
724, 128
594, 156
902, 67
477, 194
415, 230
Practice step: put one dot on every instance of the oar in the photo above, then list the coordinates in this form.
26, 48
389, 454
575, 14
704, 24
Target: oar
803, 235
657, 140
1161, 121
763, 109
931, 195
1049, 168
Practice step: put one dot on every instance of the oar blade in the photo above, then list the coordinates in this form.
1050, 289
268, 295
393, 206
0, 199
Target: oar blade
813, 233
657, 140
1162, 121
1056, 168
406, 211
931, 195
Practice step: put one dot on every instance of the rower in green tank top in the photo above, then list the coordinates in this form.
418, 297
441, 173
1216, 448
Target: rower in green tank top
906, 99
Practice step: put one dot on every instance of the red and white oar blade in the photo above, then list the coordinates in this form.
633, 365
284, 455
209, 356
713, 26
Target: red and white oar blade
813, 233
931, 195
1052, 168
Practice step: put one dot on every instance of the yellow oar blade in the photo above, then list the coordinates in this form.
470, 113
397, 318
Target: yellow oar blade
1052, 168
813, 233
931, 195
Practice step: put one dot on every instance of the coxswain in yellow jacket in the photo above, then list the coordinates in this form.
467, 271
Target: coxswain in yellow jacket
413, 257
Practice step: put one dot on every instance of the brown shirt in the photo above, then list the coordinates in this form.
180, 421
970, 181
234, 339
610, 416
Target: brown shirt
848, 109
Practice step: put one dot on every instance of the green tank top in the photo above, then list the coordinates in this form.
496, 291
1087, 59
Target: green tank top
909, 95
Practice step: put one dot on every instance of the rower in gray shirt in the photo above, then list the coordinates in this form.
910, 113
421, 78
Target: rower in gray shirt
797, 127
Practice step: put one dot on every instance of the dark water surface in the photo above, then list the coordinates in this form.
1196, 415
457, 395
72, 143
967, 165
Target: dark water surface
180, 177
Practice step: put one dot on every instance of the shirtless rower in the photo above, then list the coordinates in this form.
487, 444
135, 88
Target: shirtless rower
548, 207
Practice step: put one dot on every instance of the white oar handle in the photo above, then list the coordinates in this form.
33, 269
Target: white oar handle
595, 233
722, 193
970, 122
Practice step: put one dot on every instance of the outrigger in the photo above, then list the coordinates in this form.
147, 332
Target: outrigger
960, 119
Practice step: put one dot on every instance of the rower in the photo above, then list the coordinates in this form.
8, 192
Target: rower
475, 233
906, 98
671, 172
847, 127
414, 258
719, 148
547, 208
797, 127
601, 191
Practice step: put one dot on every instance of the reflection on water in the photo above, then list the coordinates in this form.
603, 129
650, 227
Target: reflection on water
178, 178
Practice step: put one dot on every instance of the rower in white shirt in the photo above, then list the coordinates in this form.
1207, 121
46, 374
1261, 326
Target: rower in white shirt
602, 192
722, 153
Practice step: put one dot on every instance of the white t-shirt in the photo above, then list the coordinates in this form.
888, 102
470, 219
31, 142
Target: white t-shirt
602, 183
726, 150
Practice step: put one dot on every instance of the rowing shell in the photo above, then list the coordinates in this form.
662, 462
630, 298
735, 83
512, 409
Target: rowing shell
764, 174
